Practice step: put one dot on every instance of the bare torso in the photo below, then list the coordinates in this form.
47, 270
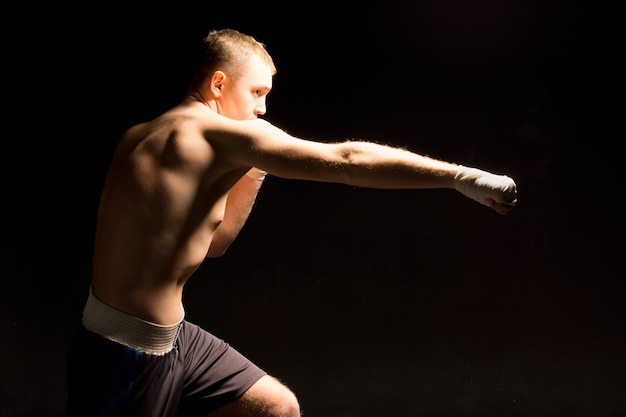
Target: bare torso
175, 179
163, 198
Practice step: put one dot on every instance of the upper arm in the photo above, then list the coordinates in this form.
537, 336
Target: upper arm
260, 144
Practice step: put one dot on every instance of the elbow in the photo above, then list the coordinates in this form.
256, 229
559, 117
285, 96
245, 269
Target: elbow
349, 153
352, 160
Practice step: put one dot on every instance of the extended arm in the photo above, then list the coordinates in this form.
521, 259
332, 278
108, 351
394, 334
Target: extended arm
365, 164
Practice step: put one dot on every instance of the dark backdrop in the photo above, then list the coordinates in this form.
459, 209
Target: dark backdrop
366, 302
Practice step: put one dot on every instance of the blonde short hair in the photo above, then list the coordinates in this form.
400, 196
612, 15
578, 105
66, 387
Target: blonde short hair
229, 50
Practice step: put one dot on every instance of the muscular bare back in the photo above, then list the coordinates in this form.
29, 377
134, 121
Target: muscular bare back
163, 198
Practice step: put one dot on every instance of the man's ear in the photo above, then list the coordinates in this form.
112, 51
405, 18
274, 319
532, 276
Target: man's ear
217, 82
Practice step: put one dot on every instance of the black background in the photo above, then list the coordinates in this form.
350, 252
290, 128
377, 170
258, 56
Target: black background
366, 302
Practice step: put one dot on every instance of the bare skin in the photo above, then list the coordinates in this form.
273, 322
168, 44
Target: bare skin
177, 192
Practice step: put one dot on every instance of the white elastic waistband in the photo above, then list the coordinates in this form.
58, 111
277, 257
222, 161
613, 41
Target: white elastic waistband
131, 331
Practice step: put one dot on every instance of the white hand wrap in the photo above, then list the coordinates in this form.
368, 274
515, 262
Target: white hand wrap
481, 185
256, 173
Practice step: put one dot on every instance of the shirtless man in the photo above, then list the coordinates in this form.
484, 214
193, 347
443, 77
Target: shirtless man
179, 189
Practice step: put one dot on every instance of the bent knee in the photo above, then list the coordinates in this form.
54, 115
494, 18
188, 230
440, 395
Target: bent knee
275, 397
288, 405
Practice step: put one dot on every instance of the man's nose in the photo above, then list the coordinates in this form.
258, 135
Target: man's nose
260, 108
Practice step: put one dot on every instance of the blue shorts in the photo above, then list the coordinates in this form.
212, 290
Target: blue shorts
197, 375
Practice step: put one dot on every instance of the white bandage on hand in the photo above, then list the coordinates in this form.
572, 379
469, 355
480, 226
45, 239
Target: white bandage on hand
481, 186
256, 173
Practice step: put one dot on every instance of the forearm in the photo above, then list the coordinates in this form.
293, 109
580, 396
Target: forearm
239, 205
379, 166
372, 165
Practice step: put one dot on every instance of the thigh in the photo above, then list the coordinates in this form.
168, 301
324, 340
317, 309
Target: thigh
215, 372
